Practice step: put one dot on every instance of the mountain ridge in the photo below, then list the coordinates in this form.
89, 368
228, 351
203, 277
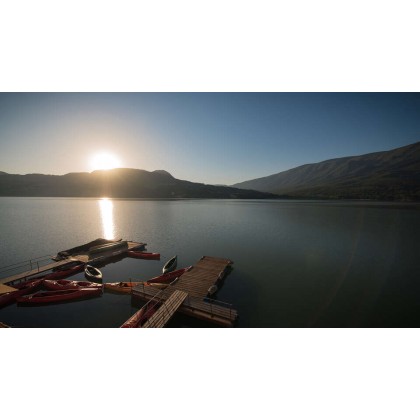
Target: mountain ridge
388, 175
116, 183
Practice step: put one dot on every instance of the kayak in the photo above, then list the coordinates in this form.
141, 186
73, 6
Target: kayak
21, 289
68, 284
143, 255
92, 273
170, 265
59, 295
122, 286
141, 316
67, 272
168, 277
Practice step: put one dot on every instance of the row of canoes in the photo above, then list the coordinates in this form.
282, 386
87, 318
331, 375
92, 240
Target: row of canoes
58, 291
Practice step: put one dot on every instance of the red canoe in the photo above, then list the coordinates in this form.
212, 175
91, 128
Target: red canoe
68, 284
143, 255
140, 317
61, 274
168, 277
22, 289
59, 296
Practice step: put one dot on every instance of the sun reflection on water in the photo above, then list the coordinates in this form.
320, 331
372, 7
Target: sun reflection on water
106, 208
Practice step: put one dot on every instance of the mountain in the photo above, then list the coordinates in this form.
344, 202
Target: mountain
116, 183
389, 175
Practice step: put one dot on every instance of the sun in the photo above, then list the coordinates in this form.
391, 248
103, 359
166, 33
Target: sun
104, 161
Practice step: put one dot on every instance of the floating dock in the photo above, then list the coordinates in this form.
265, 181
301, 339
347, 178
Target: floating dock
81, 255
208, 272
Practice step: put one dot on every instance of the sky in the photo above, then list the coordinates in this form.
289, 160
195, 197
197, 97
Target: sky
214, 138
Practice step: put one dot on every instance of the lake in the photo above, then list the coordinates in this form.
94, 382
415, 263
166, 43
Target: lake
296, 263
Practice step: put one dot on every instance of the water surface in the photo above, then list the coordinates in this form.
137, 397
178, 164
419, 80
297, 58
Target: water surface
296, 263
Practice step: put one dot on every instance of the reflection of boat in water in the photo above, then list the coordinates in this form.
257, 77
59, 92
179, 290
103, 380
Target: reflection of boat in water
92, 273
54, 296
170, 265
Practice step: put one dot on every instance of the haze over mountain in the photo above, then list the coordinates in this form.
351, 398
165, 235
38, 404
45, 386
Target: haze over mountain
116, 183
389, 175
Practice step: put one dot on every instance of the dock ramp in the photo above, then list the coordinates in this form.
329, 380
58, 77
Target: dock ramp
162, 316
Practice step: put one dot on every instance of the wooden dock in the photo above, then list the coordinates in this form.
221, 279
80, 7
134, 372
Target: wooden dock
162, 316
207, 272
82, 257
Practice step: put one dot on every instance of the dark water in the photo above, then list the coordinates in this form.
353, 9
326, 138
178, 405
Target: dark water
296, 264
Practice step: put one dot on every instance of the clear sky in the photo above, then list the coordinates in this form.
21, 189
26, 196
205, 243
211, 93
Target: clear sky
219, 138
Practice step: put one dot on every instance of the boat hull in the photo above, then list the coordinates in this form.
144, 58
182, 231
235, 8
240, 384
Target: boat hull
143, 255
140, 317
168, 277
92, 273
57, 296
22, 289
62, 274
121, 287
170, 265
68, 284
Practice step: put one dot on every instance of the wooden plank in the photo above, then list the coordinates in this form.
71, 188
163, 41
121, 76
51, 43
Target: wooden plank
161, 317
6, 289
191, 303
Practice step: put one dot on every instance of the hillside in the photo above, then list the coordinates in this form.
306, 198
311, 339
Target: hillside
390, 175
116, 183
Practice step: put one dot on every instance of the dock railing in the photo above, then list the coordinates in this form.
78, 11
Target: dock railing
30, 265
214, 305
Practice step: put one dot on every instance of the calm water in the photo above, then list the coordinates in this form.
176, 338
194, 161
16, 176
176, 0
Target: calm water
296, 264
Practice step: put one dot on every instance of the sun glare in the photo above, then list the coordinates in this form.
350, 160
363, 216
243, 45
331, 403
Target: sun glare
104, 161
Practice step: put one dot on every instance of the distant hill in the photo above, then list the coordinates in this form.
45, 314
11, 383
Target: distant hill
390, 175
116, 183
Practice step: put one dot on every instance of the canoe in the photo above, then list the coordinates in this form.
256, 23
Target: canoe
143, 255
68, 284
122, 286
170, 265
92, 273
61, 274
168, 277
141, 316
54, 296
22, 289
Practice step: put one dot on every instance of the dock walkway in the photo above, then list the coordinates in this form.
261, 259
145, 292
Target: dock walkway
162, 316
196, 282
